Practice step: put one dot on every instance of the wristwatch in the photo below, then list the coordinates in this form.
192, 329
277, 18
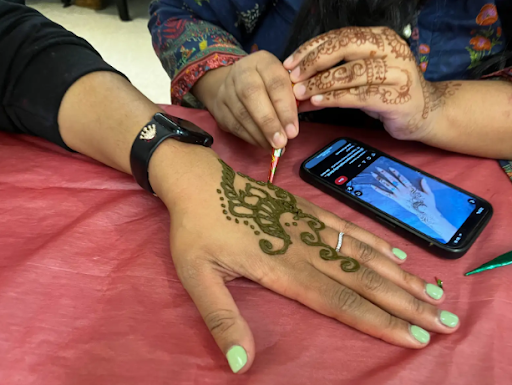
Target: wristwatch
160, 128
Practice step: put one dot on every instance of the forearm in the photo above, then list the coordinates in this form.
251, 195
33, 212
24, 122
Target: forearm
100, 116
476, 119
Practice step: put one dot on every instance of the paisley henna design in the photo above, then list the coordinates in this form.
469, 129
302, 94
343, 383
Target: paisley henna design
388, 94
265, 209
398, 46
336, 40
341, 75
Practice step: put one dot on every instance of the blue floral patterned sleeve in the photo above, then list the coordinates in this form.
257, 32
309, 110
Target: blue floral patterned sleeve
192, 37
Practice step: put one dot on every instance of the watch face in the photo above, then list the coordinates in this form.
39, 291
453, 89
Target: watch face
187, 131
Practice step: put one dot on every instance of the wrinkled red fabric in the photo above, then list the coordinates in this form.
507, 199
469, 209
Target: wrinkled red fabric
89, 294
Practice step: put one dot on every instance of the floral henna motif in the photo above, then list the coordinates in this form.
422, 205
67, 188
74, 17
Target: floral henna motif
336, 40
435, 94
255, 202
398, 46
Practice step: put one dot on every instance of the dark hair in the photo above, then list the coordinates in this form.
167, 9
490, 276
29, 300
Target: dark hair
319, 16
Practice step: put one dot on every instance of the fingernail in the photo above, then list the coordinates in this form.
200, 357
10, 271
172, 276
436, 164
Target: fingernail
288, 61
278, 140
295, 73
420, 334
434, 291
237, 358
392, 169
448, 319
374, 175
299, 89
291, 130
399, 253
379, 169
317, 98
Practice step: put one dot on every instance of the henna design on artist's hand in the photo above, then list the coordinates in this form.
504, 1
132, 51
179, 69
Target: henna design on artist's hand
388, 94
434, 97
336, 40
345, 74
256, 203
398, 46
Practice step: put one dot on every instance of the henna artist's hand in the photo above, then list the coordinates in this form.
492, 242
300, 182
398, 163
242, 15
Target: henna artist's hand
421, 203
379, 76
252, 99
226, 225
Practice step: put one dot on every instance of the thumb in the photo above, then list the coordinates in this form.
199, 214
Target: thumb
426, 187
222, 317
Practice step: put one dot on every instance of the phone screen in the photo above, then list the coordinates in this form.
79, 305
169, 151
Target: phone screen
431, 207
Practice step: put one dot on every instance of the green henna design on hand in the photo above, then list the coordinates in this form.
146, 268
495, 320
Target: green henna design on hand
258, 204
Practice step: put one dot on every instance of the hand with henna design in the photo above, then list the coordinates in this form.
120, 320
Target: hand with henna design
421, 203
232, 226
379, 76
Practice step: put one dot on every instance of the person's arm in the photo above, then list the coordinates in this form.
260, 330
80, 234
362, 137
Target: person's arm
476, 119
191, 38
54, 85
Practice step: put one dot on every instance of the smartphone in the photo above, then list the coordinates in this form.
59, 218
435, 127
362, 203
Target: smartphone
434, 213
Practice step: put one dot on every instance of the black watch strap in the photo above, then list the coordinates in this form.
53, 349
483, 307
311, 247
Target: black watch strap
147, 141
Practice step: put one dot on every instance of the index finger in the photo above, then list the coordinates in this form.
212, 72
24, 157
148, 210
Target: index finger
255, 98
280, 92
401, 178
291, 62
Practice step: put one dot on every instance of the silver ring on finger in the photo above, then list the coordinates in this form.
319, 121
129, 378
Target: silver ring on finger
340, 242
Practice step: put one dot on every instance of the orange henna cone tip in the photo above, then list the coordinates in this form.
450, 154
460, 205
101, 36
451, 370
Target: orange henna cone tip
273, 166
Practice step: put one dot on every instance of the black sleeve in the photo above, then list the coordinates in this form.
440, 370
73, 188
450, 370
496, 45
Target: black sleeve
39, 61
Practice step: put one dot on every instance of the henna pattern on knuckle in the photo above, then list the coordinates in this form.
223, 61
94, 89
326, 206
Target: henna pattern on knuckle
398, 46
264, 204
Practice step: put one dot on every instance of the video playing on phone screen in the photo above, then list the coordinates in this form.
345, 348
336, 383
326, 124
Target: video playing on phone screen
433, 208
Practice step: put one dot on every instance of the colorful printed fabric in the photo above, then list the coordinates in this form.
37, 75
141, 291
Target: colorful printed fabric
450, 38
192, 37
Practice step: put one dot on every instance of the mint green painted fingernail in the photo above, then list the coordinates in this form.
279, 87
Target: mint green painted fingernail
237, 358
449, 319
399, 253
434, 291
420, 334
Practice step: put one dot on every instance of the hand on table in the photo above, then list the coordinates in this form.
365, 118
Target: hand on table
253, 99
232, 226
379, 76
420, 203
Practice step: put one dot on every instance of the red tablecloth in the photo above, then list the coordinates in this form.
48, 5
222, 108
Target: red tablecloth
85, 299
